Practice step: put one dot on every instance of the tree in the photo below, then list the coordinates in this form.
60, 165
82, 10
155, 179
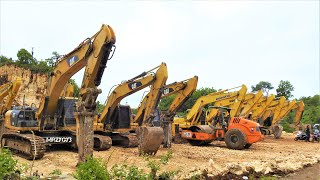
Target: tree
5, 60
284, 89
51, 61
76, 87
24, 57
264, 86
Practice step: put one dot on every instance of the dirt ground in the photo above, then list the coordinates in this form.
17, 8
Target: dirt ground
268, 157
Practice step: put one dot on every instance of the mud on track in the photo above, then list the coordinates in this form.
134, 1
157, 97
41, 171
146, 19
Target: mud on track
271, 156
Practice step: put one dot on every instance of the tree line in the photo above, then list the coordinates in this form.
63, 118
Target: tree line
27, 61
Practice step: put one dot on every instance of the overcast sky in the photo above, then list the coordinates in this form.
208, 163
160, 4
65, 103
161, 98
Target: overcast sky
225, 43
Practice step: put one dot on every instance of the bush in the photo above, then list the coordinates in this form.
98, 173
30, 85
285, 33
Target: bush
7, 164
128, 172
93, 169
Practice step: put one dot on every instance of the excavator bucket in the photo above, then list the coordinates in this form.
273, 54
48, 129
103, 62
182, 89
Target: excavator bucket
277, 131
149, 139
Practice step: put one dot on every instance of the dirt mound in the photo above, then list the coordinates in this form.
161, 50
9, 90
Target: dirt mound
33, 85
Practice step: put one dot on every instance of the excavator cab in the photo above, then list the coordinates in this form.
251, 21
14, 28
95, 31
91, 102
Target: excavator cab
22, 117
121, 117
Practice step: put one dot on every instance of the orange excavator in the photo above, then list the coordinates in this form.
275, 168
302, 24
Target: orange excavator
238, 133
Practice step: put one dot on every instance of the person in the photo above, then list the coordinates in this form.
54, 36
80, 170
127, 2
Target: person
308, 133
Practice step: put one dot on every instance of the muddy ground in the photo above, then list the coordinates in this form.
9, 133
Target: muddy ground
269, 157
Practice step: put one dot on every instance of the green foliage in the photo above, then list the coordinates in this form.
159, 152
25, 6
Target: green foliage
134, 110
166, 102
311, 101
264, 86
76, 87
196, 95
7, 164
165, 158
127, 172
56, 172
286, 127
99, 107
5, 60
26, 61
24, 57
93, 168
285, 89
311, 114
167, 175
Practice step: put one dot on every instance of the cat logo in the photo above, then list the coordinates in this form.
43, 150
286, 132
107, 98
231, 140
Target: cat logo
134, 85
72, 60
166, 91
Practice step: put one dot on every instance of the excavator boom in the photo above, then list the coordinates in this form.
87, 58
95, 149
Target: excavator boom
149, 136
196, 110
123, 90
74, 61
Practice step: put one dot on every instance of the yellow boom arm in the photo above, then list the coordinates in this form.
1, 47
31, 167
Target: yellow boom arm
10, 91
146, 110
94, 47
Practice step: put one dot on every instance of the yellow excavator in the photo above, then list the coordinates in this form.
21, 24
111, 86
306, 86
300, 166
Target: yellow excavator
149, 135
243, 104
115, 119
265, 118
278, 117
259, 108
29, 130
238, 133
182, 91
195, 116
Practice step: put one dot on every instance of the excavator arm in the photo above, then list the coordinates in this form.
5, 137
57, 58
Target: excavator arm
150, 137
147, 109
275, 104
196, 110
123, 90
299, 113
249, 102
183, 91
10, 91
243, 102
94, 47
260, 107
292, 105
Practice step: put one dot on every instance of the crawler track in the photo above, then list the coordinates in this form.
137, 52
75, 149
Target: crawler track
102, 143
130, 140
27, 145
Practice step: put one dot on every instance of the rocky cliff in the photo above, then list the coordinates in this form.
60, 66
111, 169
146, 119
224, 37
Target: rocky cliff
33, 84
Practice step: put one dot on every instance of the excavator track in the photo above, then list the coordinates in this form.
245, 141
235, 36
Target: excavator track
102, 143
130, 140
27, 145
